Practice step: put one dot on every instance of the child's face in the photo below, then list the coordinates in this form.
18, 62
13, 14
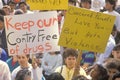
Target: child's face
70, 62
116, 54
85, 5
108, 6
22, 59
111, 72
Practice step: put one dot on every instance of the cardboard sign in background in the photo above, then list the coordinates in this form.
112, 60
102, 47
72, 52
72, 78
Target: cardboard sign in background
48, 4
32, 33
86, 30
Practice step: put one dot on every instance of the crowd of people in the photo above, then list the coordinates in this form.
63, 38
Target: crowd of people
61, 65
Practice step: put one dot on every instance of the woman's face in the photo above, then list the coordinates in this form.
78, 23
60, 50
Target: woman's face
23, 60
70, 62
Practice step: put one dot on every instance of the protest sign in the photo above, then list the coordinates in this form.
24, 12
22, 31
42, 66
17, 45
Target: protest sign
32, 33
48, 4
86, 30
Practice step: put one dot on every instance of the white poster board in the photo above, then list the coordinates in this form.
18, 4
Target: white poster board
32, 33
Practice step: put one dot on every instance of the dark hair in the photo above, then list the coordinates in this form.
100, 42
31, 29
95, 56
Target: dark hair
69, 52
102, 73
112, 2
56, 76
114, 64
117, 75
22, 3
1, 18
89, 1
22, 74
73, 2
18, 11
80, 77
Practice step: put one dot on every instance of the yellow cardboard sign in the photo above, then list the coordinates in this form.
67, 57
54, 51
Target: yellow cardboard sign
48, 4
86, 30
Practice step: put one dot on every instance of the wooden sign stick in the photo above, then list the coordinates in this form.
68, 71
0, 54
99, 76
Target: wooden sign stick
77, 66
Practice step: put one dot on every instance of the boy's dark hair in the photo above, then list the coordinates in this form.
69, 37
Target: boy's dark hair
112, 2
117, 75
89, 1
22, 3
69, 52
56, 76
22, 74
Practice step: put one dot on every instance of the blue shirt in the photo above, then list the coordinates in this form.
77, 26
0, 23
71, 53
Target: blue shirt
12, 67
3, 55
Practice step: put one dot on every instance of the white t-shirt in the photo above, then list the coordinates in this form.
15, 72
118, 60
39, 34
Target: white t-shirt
36, 74
4, 71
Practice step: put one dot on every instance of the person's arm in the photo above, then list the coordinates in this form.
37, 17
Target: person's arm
108, 50
37, 73
45, 65
58, 62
